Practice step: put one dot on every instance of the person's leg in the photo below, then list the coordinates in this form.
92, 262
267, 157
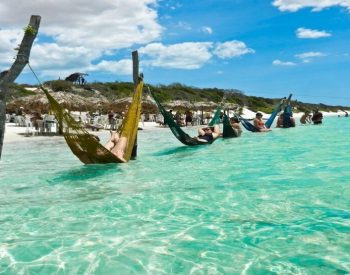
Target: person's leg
216, 132
113, 140
119, 148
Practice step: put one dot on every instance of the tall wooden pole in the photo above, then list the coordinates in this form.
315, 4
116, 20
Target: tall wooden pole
8, 77
135, 76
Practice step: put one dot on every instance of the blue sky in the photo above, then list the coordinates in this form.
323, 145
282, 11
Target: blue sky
265, 48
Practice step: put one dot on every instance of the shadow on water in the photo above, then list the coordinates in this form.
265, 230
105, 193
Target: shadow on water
182, 149
84, 173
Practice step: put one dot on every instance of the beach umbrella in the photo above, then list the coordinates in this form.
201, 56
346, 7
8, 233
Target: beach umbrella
69, 101
120, 105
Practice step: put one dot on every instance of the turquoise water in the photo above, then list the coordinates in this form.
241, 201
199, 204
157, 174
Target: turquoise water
266, 203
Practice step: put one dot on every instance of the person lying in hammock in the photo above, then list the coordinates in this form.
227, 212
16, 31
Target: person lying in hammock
259, 123
208, 134
117, 145
234, 122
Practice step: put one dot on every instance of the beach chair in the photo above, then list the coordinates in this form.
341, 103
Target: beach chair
49, 124
30, 129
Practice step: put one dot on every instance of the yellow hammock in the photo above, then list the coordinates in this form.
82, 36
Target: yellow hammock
85, 146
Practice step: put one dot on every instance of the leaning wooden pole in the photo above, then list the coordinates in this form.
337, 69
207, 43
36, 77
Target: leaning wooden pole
9, 76
135, 76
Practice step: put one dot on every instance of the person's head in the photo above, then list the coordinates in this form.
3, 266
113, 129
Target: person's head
208, 129
234, 120
258, 115
307, 112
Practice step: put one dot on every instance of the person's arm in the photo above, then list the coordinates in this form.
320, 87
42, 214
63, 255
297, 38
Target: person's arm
256, 123
201, 132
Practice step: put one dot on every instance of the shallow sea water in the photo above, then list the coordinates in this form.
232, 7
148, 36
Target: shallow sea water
266, 203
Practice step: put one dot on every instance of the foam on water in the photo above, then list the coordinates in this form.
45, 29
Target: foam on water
263, 203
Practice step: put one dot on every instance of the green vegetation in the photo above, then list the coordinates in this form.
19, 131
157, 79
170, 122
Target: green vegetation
17, 91
29, 30
60, 85
175, 91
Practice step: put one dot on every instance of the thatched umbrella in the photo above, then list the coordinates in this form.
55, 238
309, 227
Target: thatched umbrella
119, 105
68, 101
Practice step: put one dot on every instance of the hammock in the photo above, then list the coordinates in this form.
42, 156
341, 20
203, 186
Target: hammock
177, 131
250, 127
246, 124
277, 109
287, 114
85, 146
216, 117
228, 131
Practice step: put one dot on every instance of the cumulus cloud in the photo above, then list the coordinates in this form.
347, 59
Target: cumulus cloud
207, 30
278, 62
311, 34
86, 30
307, 56
8, 41
315, 5
188, 55
231, 49
122, 67
76, 35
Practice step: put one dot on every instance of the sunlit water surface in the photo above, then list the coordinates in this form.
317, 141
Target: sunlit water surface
273, 202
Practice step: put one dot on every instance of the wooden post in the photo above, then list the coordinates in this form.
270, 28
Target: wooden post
202, 116
135, 76
8, 77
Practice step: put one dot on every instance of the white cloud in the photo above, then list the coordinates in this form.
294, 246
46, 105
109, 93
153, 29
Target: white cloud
188, 55
231, 49
71, 26
307, 56
8, 41
121, 67
278, 62
207, 30
311, 34
316, 5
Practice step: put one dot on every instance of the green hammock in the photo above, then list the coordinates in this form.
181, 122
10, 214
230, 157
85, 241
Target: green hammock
177, 131
228, 131
216, 117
